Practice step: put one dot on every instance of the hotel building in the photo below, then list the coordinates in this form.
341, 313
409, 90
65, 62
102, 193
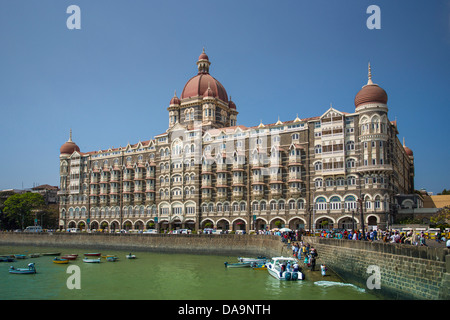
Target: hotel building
335, 170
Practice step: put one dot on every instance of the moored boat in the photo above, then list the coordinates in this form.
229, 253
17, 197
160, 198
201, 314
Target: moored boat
96, 254
238, 265
112, 259
87, 260
259, 259
7, 259
70, 257
60, 261
285, 268
131, 256
258, 266
51, 254
30, 270
35, 255
20, 256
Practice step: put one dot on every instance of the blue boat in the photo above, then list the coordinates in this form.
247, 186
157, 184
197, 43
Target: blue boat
7, 259
87, 260
30, 270
112, 259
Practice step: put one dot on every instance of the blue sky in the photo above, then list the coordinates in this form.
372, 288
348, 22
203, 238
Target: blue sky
112, 81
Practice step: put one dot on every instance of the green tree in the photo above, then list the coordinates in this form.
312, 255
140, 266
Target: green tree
442, 218
18, 208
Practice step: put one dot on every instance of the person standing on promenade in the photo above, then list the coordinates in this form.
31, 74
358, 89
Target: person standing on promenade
313, 258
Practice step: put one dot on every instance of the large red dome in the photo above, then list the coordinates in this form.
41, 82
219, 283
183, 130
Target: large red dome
198, 85
371, 93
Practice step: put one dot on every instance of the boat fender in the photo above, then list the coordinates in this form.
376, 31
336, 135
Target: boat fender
294, 276
287, 275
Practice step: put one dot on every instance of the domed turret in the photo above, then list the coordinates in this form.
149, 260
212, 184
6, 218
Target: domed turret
175, 100
231, 104
69, 147
198, 85
370, 93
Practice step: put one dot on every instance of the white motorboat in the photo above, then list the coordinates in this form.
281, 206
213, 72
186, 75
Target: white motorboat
257, 259
279, 269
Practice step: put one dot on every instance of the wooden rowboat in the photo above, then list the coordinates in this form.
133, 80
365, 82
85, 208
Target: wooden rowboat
97, 254
60, 261
69, 257
87, 260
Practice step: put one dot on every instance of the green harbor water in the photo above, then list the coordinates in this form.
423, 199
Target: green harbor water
156, 276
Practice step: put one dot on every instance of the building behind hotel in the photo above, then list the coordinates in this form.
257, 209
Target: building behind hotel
206, 171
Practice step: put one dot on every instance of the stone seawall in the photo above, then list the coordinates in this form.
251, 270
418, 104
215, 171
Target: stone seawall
226, 244
407, 272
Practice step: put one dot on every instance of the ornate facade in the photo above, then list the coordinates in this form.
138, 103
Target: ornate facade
336, 170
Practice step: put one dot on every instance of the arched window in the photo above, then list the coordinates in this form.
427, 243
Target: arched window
377, 202
351, 181
321, 203
350, 145
351, 163
350, 203
335, 203
318, 183
263, 205
273, 205
318, 166
292, 205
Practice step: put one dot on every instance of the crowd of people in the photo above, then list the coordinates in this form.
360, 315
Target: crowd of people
388, 236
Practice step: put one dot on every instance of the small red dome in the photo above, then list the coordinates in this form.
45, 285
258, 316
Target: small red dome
175, 100
69, 147
232, 105
371, 93
203, 56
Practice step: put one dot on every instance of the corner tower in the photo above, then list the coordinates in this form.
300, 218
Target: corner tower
203, 100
